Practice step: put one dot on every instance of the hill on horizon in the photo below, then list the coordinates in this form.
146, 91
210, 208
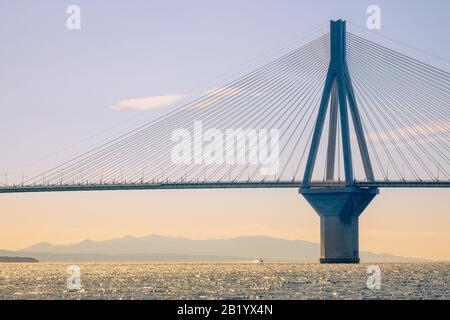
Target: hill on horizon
165, 248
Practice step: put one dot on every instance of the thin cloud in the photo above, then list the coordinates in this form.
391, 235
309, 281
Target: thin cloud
148, 102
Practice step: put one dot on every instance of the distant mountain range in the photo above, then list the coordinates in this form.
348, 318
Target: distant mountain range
174, 249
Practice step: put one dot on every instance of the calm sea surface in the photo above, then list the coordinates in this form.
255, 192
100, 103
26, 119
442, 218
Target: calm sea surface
224, 281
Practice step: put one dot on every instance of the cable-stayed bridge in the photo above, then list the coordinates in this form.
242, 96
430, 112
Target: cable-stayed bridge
350, 115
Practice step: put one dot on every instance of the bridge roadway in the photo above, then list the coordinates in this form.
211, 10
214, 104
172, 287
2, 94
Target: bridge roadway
217, 185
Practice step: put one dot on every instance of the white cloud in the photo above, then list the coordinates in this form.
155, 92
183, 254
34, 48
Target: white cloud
148, 102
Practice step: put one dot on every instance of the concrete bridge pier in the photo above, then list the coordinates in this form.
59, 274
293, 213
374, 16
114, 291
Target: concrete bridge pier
339, 210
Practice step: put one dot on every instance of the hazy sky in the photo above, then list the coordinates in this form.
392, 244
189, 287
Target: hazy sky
58, 88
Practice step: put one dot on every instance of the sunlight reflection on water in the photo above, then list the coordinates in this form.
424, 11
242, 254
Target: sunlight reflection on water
224, 281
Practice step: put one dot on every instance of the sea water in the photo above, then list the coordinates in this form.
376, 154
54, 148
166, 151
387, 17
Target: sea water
223, 281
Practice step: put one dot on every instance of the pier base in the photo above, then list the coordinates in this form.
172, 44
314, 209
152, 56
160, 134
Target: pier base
339, 210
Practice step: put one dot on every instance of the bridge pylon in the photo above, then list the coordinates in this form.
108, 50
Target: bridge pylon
338, 207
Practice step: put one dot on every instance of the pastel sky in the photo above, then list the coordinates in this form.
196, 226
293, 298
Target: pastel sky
62, 88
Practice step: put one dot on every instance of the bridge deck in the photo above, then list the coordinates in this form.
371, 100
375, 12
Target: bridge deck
218, 185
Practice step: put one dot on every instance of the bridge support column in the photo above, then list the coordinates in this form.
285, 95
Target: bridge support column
339, 209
